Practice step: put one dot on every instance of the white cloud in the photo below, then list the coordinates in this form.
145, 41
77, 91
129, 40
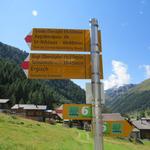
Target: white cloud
147, 70
34, 13
119, 75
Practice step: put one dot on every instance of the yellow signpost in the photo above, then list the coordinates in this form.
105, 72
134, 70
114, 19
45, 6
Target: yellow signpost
77, 111
70, 66
61, 39
60, 66
115, 128
120, 128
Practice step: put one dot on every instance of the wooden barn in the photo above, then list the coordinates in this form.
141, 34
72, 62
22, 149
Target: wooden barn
143, 125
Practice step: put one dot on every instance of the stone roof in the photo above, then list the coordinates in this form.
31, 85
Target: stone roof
141, 124
29, 107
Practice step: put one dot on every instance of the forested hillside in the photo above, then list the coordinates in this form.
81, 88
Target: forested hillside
136, 98
15, 86
12, 53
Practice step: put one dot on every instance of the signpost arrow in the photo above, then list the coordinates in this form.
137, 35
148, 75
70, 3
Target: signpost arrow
25, 66
77, 111
28, 39
60, 39
121, 128
58, 66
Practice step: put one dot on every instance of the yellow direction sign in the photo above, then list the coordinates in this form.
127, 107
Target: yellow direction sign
61, 66
60, 39
120, 128
77, 111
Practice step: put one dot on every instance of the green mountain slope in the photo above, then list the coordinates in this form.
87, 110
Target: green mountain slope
22, 134
135, 99
144, 86
112, 94
15, 86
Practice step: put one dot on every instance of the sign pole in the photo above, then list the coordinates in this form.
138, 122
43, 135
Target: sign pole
97, 106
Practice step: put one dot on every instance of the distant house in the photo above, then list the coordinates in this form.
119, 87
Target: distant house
50, 114
143, 125
112, 117
31, 111
4, 105
135, 133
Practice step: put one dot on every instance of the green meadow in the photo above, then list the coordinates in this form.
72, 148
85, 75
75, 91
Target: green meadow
21, 134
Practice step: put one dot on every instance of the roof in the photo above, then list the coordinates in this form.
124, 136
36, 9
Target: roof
29, 107
49, 111
112, 117
140, 124
148, 119
3, 101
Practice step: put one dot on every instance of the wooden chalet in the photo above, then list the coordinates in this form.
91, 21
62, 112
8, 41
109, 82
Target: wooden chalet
31, 111
143, 125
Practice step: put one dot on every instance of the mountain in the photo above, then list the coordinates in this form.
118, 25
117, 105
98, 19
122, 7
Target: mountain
115, 92
15, 86
136, 98
12, 53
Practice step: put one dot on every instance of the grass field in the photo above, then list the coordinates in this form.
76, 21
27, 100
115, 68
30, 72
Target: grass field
22, 134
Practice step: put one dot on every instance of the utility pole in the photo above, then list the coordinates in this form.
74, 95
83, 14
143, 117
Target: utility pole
96, 88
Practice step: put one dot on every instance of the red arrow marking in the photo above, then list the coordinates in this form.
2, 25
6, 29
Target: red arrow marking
25, 65
28, 38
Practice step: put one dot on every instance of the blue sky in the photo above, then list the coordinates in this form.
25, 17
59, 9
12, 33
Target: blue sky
125, 27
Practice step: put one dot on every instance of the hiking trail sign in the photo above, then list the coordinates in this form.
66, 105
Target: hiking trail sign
44, 39
121, 128
70, 66
115, 128
58, 66
77, 111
